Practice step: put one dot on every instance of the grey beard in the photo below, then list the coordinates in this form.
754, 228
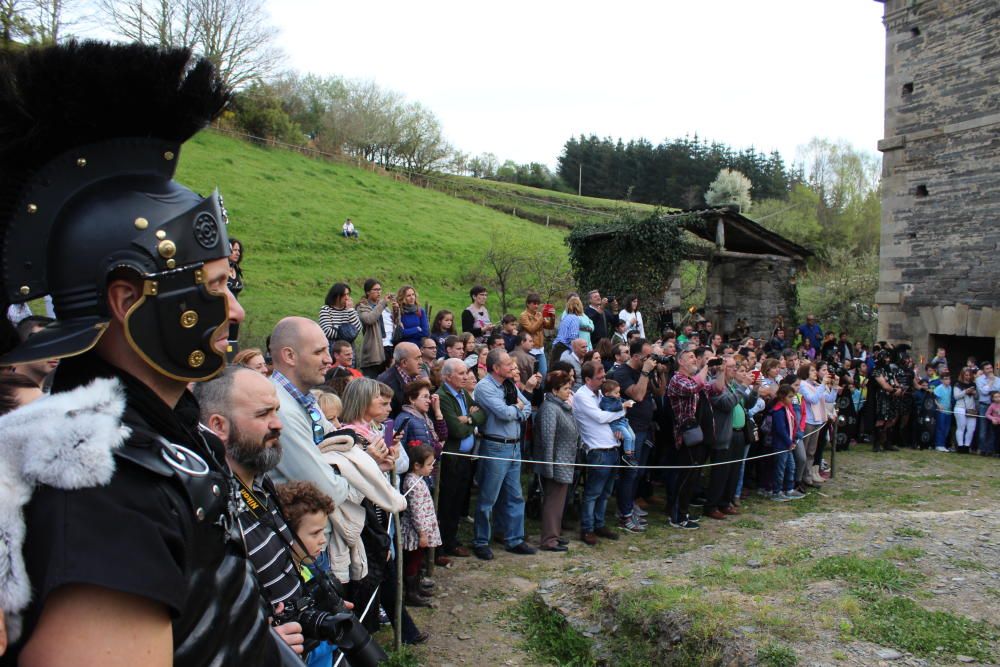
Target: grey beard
255, 456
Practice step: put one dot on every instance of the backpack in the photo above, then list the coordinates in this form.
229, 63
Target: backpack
767, 427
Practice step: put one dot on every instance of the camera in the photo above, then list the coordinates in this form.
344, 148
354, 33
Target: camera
664, 359
323, 617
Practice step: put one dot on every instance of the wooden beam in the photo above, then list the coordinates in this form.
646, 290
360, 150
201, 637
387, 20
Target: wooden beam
732, 254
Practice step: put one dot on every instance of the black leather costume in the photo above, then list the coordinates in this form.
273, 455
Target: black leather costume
173, 543
88, 147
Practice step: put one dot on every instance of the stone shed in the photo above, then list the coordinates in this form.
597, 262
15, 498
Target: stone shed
940, 244
751, 271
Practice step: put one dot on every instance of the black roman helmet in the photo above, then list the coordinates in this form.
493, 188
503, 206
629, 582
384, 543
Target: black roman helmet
90, 134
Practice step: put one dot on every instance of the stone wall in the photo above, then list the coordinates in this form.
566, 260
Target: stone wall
757, 290
940, 241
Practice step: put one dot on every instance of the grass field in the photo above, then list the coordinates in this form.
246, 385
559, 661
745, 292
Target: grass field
288, 209
556, 208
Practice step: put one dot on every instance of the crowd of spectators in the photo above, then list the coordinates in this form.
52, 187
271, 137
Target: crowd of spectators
370, 411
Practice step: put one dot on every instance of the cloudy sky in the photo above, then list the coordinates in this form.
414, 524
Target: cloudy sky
519, 78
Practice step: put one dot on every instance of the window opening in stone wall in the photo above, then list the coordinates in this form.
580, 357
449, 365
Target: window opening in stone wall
915, 31
908, 88
960, 348
921, 191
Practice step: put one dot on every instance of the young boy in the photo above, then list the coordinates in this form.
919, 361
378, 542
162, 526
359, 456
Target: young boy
619, 337
305, 509
611, 401
944, 401
509, 331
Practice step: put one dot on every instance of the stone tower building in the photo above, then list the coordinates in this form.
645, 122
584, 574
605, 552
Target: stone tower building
939, 275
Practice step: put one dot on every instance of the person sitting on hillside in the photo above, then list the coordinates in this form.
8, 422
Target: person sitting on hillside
348, 230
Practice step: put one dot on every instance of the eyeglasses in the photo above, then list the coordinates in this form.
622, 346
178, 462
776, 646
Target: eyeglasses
317, 424
430, 347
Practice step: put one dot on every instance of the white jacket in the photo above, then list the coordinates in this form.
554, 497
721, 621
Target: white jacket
347, 553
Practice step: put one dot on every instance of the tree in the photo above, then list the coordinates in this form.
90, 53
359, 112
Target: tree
795, 218
500, 265
49, 19
236, 36
842, 292
483, 165
259, 113
14, 22
164, 23
233, 34
654, 248
730, 188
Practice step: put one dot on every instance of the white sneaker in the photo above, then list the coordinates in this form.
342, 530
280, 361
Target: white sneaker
941, 449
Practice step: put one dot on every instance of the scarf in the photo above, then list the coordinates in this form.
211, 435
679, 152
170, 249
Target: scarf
416, 414
410, 309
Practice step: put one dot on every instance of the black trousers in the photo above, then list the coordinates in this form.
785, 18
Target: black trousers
722, 486
688, 482
453, 503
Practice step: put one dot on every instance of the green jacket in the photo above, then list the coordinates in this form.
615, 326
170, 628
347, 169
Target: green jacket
457, 431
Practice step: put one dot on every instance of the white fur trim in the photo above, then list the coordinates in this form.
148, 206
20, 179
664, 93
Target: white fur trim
65, 441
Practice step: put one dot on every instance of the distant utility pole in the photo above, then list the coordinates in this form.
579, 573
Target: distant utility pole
579, 182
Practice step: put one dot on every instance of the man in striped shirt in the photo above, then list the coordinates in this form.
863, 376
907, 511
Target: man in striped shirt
241, 408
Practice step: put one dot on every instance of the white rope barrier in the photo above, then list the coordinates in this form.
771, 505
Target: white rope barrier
646, 467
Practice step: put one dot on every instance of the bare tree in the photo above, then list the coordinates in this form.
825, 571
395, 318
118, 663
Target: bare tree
233, 34
49, 19
14, 22
165, 23
236, 36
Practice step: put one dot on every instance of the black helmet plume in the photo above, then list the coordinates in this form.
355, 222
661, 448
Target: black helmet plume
89, 138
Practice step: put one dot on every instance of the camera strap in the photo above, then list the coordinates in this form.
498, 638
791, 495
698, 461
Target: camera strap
259, 510
254, 505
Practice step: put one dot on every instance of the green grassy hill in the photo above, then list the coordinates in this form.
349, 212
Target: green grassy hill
288, 210
556, 208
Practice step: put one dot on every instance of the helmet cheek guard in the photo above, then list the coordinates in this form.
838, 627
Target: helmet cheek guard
175, 324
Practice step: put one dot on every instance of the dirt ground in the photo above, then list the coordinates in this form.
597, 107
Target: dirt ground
930, 513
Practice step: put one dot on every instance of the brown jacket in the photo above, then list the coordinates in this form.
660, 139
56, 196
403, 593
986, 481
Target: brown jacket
533, 325
372, 353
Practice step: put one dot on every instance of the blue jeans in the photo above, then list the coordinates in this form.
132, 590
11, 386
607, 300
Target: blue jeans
628, 481
492, 476
743, 467
598, 487
984, 432
784, 472
629, 437
943, 429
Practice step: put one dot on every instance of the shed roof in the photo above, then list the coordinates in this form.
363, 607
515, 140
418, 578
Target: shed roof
742, 234
739, 235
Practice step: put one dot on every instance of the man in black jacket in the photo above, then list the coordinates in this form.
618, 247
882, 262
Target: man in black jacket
595, 311
134, 570
404, 370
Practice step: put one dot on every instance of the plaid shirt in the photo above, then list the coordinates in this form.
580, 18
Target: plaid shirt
307, 401
683, 392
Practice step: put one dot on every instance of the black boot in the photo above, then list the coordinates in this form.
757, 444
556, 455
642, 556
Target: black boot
413, 597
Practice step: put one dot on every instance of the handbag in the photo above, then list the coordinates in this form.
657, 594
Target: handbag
691, 434
346, 331
397, 329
